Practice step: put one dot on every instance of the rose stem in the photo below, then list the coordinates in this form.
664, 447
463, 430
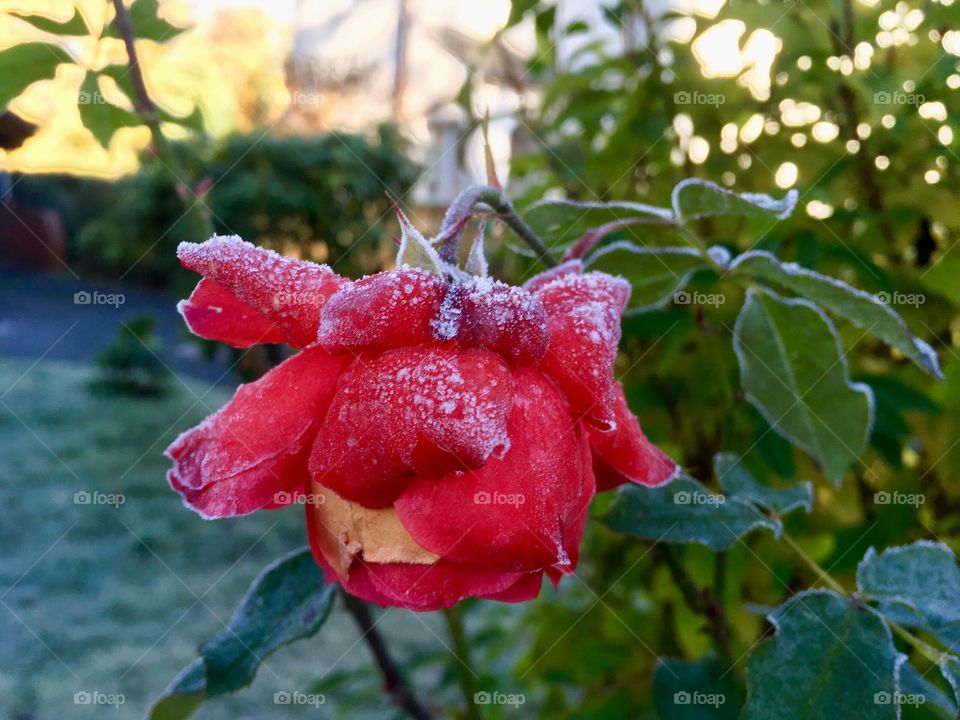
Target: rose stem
394, 682
504, 209
461, 649
702, 602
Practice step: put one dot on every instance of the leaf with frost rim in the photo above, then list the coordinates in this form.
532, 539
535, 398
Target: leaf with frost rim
762, 202
861, 388
680, 280
897, 334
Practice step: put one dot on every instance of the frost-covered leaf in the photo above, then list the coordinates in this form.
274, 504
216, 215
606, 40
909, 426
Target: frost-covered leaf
794, 373
684, 511
917, 585
950, 669
560, 223
100, 117
918, 689
415, 251
147, 25
654, 274
695, 690
288, 601
75, 26
693, 198
830, 658
736, 481
861, 309
24, 64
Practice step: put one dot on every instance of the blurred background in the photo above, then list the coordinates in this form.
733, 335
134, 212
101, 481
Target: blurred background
287, 122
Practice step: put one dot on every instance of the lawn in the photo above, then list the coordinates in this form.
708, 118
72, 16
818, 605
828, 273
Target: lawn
115, 598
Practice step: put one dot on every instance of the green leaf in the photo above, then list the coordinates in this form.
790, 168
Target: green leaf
193, 121
147, 25
695, 690
736, 481
99, 116
560, 223
72, 28
655, 274
684, 511
917, 585
22, 65
830, 658
693, 198
914, 686
950, 669
861, 309
288, 601
415, 251
794, 372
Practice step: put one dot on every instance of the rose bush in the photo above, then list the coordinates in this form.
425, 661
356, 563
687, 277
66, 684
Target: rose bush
444, 430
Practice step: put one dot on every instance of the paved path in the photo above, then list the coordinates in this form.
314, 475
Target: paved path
43, 315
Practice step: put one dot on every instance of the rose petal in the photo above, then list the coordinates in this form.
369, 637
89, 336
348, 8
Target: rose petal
511, 512
289, 293
625, 455
584, 321
387, 310
254, 450
425, 588
503, 318
568, 267
215, 313
421, 410
524, 589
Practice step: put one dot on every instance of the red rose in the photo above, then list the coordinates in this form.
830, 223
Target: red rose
445, 433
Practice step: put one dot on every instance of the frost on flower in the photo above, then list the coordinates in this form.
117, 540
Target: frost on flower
446, 431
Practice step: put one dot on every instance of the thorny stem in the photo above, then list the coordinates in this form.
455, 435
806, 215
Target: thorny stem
461, 648
504, 209
394, 682
147, 110
928, 651
702, 602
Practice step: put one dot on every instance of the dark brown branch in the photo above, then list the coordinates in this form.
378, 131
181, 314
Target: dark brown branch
394, 682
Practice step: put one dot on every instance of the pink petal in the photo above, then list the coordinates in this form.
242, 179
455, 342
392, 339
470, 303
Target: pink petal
252, 453
510, 513
387, 310
215, 313
420, 410
584, 321
289, 293
625, 455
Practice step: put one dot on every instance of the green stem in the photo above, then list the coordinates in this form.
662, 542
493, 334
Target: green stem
925, 649
504, 209
813, 564
461, 648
